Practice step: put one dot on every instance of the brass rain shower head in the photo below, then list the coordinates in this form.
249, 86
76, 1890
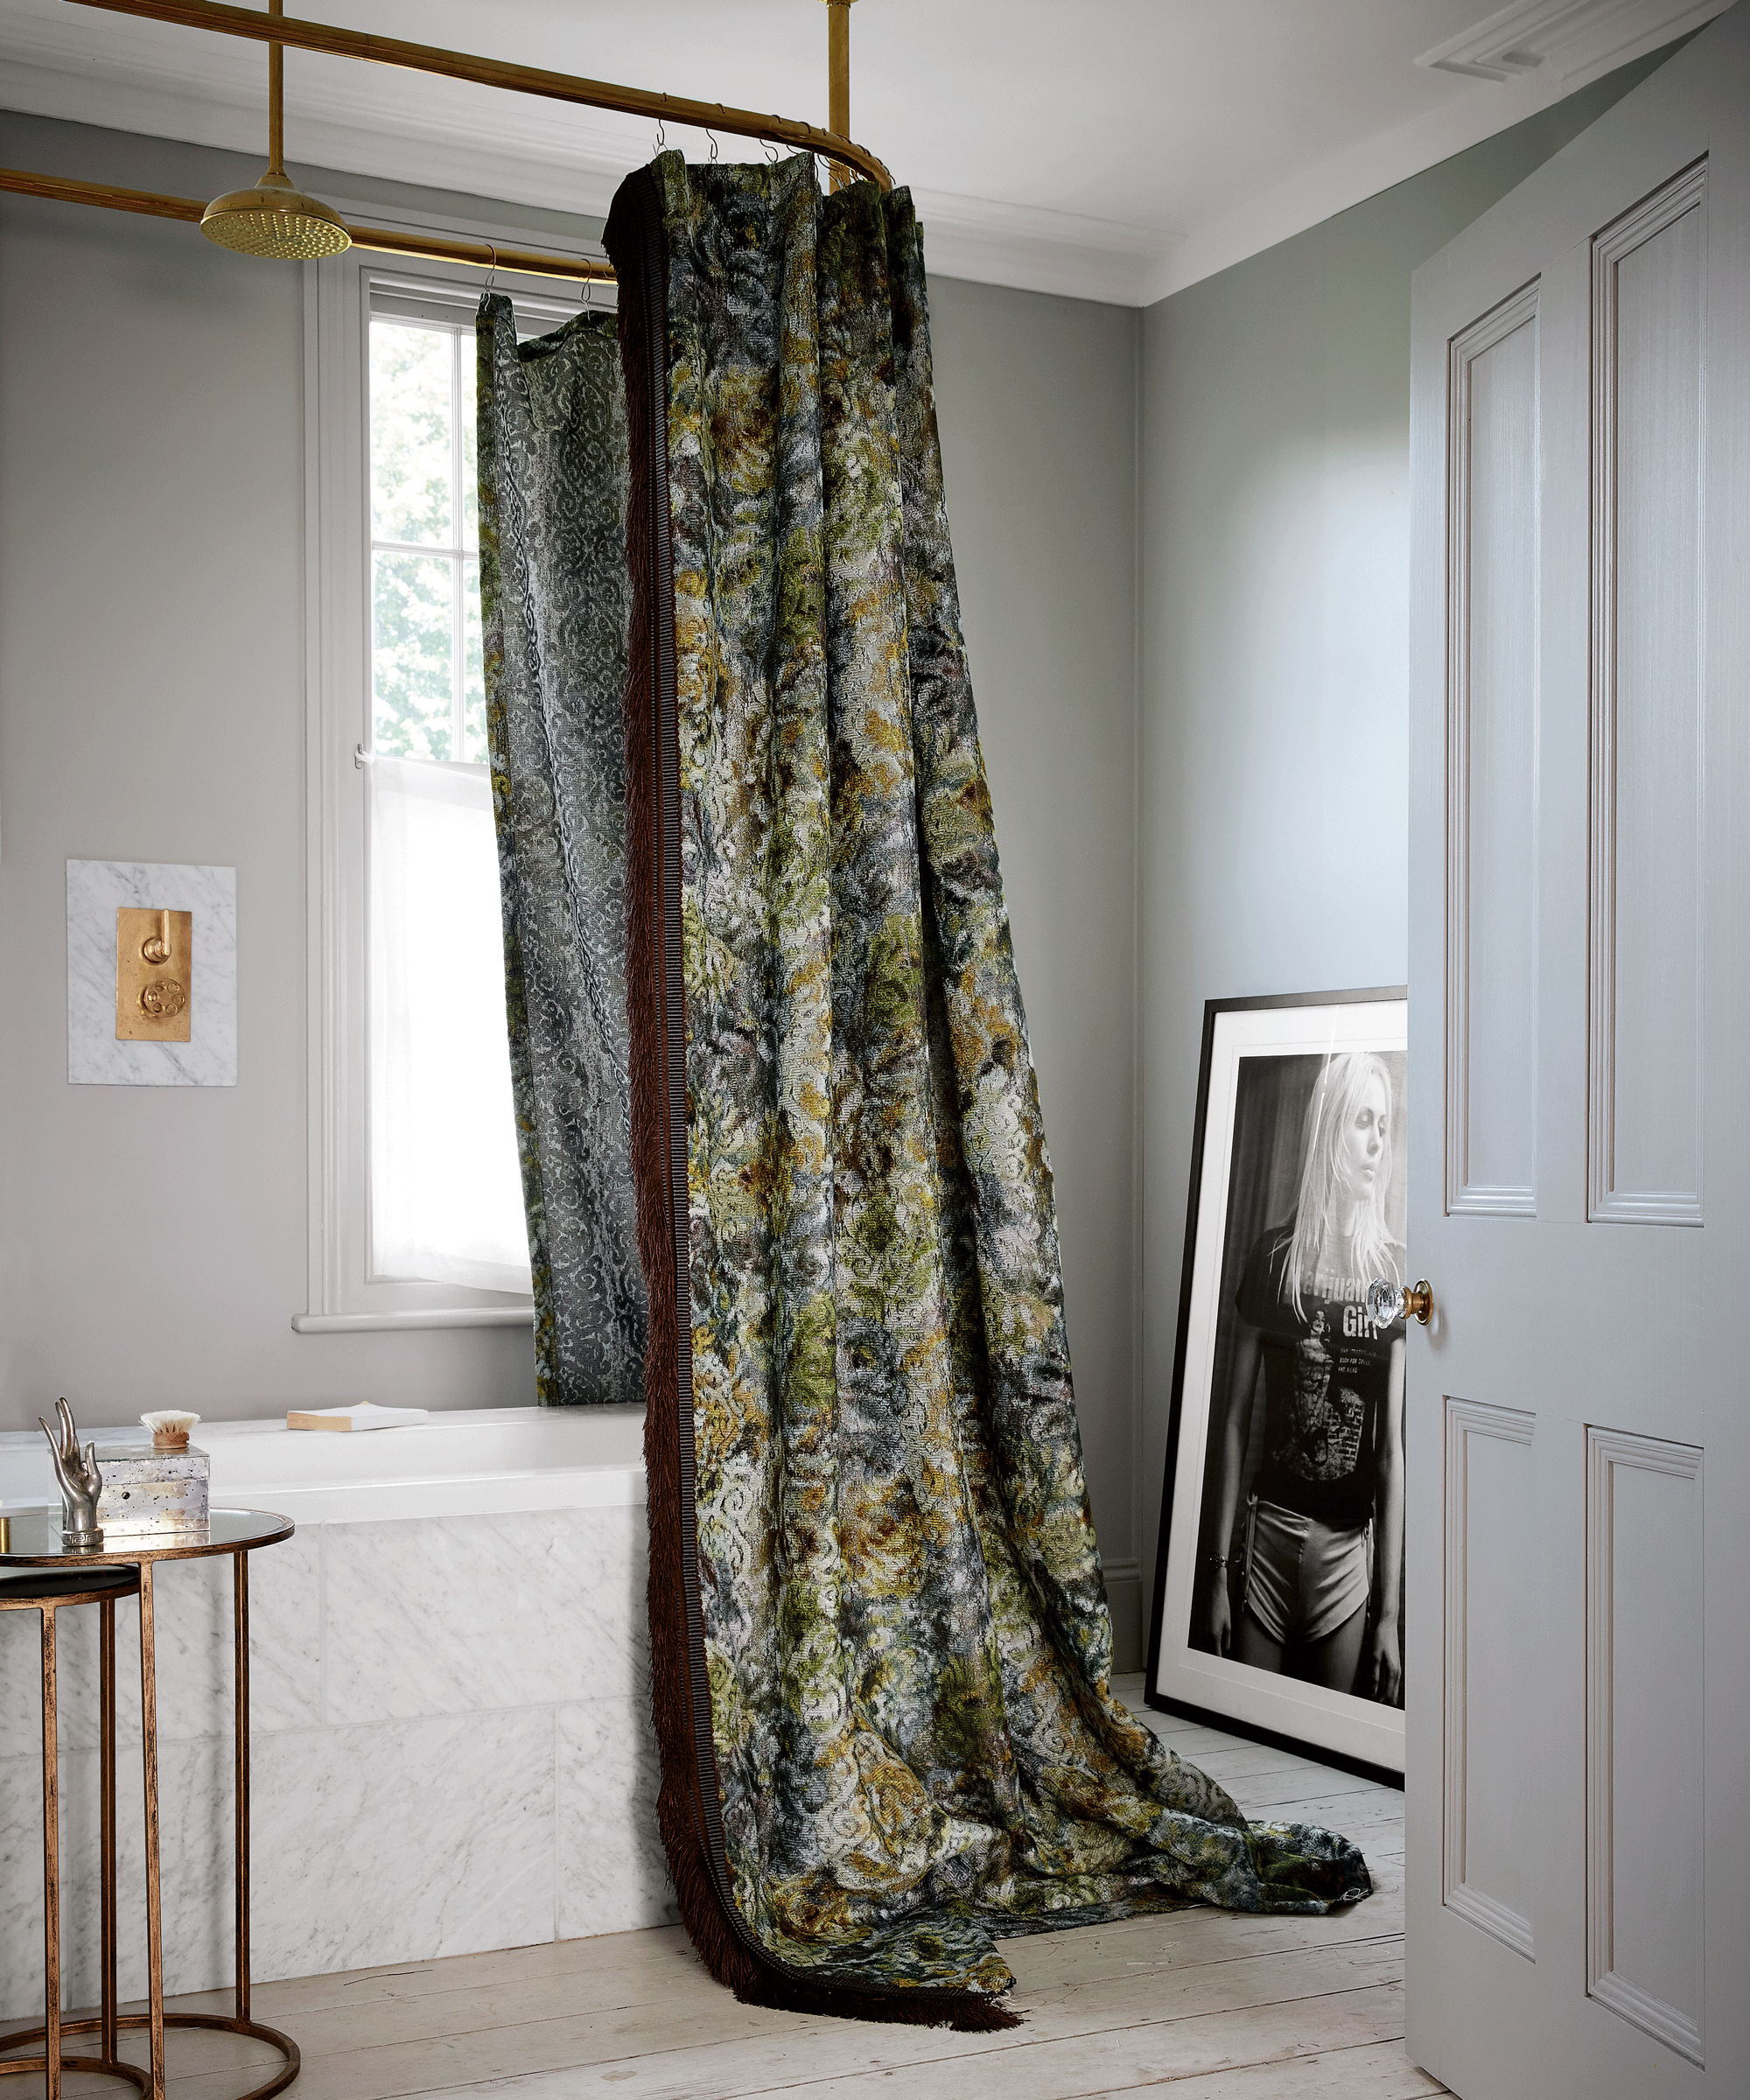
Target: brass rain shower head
273, 219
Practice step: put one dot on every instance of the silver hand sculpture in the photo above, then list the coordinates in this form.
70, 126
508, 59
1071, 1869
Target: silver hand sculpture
80, 1482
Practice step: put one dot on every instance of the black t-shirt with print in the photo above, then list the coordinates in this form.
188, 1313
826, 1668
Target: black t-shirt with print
1326, 1369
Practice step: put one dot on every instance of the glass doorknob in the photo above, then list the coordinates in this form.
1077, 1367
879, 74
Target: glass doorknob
1387, 1301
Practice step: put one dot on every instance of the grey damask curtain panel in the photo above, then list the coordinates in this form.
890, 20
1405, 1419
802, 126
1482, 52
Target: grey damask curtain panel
554, 597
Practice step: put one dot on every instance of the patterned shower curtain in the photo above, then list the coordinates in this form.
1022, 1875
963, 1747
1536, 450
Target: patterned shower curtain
552, 469
880, 1643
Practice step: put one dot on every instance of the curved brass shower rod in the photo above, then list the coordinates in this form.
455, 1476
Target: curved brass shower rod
281, 30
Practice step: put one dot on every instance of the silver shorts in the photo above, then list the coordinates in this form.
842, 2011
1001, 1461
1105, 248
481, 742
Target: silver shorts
1303, 1578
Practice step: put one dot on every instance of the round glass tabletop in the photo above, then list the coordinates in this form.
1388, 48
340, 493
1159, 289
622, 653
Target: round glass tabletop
31, 1537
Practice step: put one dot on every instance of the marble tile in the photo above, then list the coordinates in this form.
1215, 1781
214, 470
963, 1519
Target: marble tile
95, 890
433, 1615
196, 1866
21, 1705
402, 1842
612, 1875
191, 1619
285, 1633
398, 1842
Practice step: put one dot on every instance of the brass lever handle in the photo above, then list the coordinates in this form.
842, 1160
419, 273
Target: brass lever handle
1387, 1301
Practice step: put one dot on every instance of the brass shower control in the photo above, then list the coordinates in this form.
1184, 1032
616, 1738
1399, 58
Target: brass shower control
154, 972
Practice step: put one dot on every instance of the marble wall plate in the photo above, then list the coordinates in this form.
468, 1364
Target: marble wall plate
95, 890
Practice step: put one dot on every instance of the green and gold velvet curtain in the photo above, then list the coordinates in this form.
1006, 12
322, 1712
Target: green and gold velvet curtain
879, 1635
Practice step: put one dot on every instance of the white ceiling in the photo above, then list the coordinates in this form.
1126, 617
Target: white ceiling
1111, 148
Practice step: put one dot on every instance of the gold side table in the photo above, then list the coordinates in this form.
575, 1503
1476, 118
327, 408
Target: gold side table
48, 1591
33, 1540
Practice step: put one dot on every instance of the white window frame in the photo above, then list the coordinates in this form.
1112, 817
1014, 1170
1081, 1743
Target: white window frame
343, 1295
415, 306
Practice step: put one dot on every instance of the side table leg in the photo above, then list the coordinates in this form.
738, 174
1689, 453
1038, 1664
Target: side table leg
51, 1864
105, 1638
148, 1756
240, 1679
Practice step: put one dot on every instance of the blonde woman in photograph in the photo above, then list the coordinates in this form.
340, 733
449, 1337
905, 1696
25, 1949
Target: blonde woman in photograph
1323, 1537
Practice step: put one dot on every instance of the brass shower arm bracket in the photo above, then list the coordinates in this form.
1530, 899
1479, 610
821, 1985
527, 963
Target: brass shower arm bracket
427, 247
216, 16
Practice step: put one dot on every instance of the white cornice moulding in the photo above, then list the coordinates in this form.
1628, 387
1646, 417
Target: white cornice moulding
1579, 40
1035, 250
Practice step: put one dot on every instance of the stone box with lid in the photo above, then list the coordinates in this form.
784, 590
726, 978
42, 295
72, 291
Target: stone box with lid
156, 1484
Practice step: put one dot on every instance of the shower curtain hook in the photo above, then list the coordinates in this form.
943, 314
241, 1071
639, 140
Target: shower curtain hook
661, 136
492, 275
711, 135
770, 151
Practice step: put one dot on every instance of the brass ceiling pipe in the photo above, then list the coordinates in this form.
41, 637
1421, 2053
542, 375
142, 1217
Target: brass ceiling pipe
273, 219
432, 248
61, 189
216, 15
838, 79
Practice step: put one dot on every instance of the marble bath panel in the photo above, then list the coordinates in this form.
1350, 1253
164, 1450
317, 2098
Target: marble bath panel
191, 1619
369, 1846
451, 1752
613, 1874
402, 1842
95, 891
457, 1614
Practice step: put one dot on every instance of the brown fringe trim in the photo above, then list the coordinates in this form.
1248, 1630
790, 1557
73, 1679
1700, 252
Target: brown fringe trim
688, 1804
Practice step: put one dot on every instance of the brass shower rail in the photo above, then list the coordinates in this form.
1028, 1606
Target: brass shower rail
218, 16
430, 248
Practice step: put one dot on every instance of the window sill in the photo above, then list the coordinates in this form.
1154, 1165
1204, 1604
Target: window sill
434, 1316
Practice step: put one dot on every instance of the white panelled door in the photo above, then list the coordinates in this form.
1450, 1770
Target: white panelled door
1578, 1427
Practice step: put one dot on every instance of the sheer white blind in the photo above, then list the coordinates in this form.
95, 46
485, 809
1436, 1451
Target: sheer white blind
446, 1193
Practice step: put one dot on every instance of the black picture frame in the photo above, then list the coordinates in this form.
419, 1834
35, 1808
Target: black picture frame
1278, 1710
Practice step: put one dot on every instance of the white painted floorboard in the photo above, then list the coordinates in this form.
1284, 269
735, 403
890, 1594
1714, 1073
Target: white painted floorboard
1201, 2003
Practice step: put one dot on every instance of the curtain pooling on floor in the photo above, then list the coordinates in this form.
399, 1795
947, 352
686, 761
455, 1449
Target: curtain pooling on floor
554, 597
880, 1638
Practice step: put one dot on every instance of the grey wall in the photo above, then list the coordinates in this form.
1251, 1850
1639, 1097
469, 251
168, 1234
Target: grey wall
1036, 400
1275, 624
152, 1240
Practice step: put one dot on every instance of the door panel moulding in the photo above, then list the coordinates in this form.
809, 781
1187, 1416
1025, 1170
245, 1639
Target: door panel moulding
1645, 1141
1644, 1681
1493, 441
1469, 1423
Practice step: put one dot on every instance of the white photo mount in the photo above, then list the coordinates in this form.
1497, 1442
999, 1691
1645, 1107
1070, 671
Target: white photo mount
1184, 1676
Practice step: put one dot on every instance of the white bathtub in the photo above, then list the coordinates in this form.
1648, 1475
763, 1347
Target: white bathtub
474, 1462
450, 1690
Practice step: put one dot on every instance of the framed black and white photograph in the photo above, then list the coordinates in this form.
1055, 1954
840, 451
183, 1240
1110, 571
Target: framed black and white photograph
1278, 1606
